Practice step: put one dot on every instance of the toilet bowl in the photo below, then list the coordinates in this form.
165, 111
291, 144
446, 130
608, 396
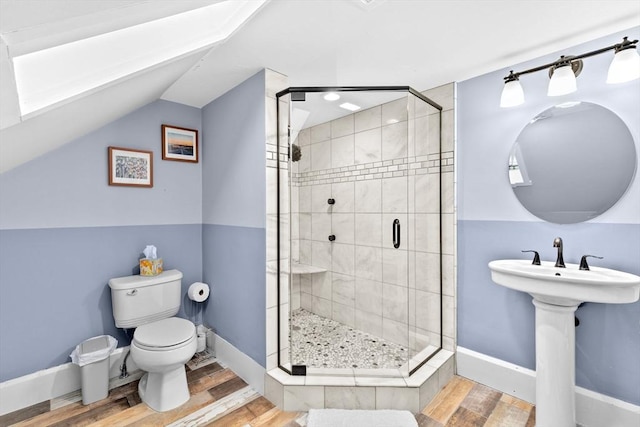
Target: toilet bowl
161, 349
161, 344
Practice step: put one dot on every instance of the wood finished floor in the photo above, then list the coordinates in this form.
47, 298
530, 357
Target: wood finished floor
220, 398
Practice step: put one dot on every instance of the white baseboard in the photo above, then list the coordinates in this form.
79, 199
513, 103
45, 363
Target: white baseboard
592, 409
54, 382
64, 379
244, 366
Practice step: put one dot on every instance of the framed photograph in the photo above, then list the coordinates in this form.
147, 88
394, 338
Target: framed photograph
130, 167
179, 144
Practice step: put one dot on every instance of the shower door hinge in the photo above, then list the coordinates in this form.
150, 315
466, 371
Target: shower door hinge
300, 370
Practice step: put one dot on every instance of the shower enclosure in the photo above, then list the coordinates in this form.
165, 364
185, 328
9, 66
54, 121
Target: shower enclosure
359, 230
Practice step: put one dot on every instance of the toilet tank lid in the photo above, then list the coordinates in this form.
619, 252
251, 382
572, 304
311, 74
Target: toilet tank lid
138, 281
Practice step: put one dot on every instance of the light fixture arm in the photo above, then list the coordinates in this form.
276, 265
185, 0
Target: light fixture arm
626, 44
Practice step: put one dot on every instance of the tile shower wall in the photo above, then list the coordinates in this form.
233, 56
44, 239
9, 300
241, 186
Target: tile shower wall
369, 162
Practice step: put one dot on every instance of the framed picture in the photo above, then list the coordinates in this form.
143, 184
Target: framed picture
179, 144
130, 167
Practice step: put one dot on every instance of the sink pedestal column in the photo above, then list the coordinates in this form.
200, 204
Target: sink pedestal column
555, 365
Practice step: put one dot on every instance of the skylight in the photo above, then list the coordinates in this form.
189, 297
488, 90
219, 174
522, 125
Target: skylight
48, 76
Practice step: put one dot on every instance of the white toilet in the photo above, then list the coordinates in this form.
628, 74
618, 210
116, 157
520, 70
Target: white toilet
162, 344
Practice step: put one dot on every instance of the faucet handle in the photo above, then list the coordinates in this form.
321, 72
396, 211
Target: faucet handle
583, 261
536, 256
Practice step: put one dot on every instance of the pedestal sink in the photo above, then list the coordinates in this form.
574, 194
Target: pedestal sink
556, 293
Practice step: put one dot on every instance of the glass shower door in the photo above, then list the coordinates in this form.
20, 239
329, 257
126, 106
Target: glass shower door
354, 193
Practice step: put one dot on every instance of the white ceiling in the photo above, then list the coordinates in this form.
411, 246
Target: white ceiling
419, 43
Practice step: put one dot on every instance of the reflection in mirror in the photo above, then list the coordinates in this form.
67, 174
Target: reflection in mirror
572, 162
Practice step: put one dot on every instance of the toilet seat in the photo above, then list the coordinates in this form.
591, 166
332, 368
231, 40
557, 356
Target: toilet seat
165, 334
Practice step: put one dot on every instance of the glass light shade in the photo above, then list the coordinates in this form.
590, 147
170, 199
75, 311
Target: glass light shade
624, 67
512, 94
562, 82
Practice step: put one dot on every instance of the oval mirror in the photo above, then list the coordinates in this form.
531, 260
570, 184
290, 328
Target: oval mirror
572, 162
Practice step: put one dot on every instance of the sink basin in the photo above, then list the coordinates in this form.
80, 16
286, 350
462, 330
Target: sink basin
566, 286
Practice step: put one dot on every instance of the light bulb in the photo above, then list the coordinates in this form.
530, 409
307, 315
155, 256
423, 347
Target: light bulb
512, 94
563, 81
331, 96
624, 67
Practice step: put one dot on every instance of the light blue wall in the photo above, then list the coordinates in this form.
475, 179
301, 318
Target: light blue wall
234, 212
492, 225
64, 232
68, 187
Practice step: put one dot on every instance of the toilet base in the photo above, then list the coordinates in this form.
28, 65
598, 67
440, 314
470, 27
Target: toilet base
164, 391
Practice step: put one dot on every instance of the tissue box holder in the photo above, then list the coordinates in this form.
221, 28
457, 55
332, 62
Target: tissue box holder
150, 267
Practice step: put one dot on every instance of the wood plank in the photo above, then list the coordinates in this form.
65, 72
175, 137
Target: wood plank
514, 401
425, 421
97, 414
442, 407
127, 417
505, 415
193, 375
237, 418
210, 381
259, 406
481, 400
124, 390
63, 413
464, 417
274, 418
25, 413
531, 422
227, 387
217, 409
133, 399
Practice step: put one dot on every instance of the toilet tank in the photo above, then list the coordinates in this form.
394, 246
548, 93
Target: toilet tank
137, 300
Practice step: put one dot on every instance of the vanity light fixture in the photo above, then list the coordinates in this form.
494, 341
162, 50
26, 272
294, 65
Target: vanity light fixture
563, 72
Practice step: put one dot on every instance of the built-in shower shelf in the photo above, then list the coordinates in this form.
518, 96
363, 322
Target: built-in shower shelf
297, 268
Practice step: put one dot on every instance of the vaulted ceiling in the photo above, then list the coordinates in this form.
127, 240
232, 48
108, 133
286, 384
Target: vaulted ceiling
420, 43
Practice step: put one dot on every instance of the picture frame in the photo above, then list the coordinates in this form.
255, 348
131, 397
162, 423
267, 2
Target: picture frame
179, 144
129, 167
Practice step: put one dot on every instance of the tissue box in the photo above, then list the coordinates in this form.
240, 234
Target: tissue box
150, 267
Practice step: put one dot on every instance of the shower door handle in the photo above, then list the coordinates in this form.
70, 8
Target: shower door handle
396, 233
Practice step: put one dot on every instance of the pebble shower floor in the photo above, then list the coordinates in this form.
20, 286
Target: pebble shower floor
319, 342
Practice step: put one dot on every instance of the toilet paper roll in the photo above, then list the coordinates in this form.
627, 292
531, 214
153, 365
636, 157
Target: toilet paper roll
198, 292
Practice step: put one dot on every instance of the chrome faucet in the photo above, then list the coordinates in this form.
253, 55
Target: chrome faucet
557, 243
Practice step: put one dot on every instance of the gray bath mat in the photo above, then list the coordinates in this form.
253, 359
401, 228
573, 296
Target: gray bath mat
360, 418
